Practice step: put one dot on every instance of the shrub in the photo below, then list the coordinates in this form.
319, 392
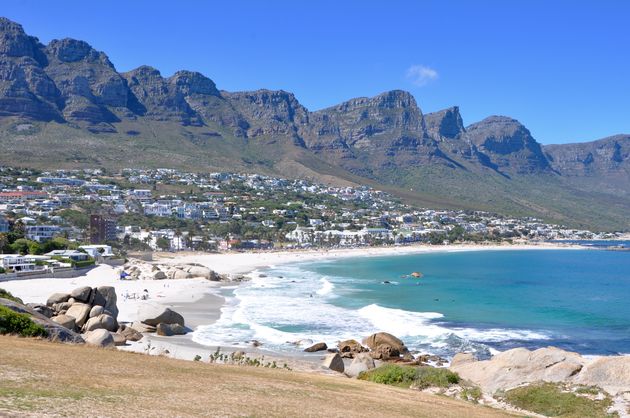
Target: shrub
12, 322
406, 376
7, 295
2, 270
432, 376
390, 374
81, 264
552, 400
472, 394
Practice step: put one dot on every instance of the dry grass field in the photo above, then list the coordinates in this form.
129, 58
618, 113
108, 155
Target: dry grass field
39, 378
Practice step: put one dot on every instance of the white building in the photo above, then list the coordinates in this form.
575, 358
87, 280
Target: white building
41, 233
98, 250
140, 194
17, 262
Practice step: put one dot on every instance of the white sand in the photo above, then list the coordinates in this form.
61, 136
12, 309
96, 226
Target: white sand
245, 262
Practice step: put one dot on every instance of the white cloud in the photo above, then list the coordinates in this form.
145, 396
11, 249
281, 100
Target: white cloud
421, 75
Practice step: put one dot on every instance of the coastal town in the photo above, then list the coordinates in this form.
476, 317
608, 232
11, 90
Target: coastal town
48, 218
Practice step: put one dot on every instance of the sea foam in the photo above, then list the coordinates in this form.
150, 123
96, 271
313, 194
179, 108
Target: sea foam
290, 304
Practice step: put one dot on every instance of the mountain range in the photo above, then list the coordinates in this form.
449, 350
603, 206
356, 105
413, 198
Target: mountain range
64, 105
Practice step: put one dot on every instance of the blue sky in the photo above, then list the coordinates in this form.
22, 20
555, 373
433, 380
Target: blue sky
560, 67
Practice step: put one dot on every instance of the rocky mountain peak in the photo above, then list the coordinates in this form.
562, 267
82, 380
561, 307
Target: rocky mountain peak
14, 42
72, 50
444, 124
143, 71
501, 134
192, 82
508, 144
395, 99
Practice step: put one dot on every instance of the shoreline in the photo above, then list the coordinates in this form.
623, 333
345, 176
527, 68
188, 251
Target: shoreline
245, 262
201, 302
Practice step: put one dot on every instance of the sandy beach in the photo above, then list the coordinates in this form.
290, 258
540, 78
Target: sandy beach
245, 262
200, 301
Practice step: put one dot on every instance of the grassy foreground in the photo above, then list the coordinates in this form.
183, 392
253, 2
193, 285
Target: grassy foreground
41, 378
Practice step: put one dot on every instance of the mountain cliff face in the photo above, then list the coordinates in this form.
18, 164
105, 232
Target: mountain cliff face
601, 166
602, 157
65, 105
508, 145
25, 88
445, 124
364, 135
270, 114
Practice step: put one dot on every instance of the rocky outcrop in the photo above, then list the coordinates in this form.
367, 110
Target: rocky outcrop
168, 330
141, 327
154, 315
385, 346
444, 124
162, 321
181, 98
603, 165
387, 130
129, 334
361, 363
94, 312
316, 347
350, 348
80, 312
56, 298
270, 114
141, 270
81, 294
508, 145
462, 358
102, 321
88, 310
333, 361
520, 366
91, 89
42, 309
100, 338
66, 321
605, 156
611, 373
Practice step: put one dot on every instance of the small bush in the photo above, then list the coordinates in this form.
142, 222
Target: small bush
6, 295
12, 322
472, 394
552, 400
390, 374
84, 263
434, 377
406, 376
2, 270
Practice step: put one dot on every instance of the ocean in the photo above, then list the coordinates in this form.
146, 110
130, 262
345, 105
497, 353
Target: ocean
480, 301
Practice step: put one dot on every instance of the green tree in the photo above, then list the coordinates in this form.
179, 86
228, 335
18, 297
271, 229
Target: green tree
163, 243
25, 246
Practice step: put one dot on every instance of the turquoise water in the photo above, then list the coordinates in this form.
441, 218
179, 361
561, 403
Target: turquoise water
480, 300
